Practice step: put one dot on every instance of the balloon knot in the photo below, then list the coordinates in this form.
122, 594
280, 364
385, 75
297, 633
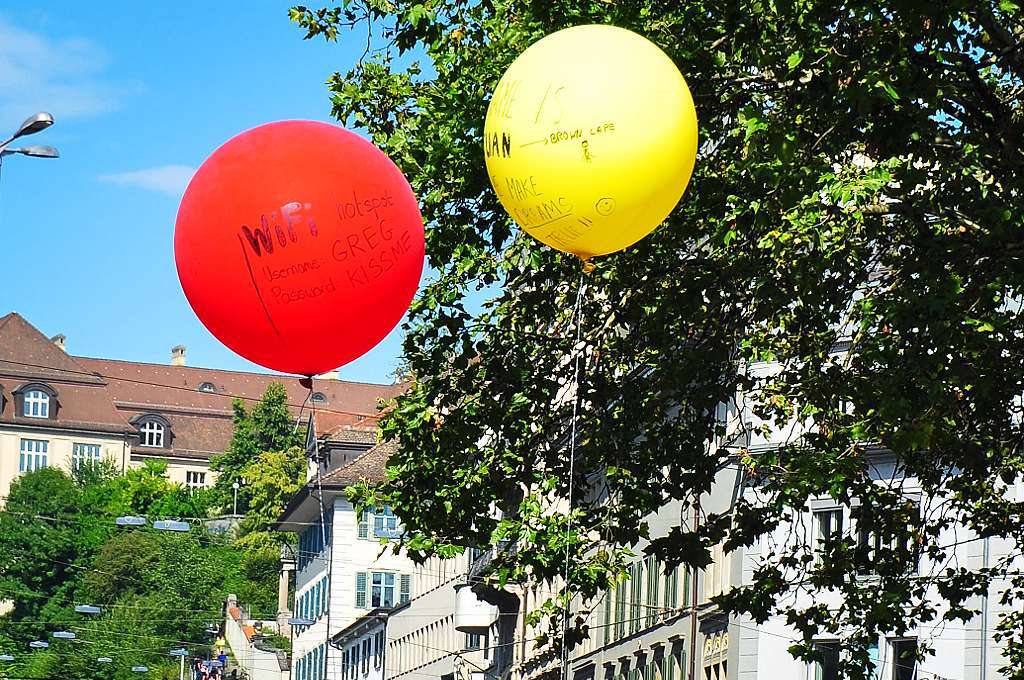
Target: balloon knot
588, 267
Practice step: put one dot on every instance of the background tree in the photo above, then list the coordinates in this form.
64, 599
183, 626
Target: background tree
268, 426
60, 546
859, 183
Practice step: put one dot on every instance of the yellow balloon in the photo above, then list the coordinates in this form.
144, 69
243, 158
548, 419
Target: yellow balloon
590, 139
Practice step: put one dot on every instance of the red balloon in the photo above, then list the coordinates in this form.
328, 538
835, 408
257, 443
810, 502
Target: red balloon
299, 245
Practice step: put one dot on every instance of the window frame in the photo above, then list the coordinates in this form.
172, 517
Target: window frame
151, 434
897, 666
35, 400
33, 459
83, 452
378, 600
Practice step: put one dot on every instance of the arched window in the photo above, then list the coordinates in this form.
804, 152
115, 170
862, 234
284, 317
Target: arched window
319, 398
36, 404
152, 434
207, 387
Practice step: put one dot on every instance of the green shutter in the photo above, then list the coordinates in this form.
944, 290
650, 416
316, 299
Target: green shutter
404, 588
671, 588
652, 590
608, 635
364, 524
361, 590
620, 610
635, 595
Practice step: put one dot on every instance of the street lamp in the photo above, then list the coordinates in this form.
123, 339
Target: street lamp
64, 635
140, 669
130, 521
104, 659
87, 609
38, 644
235, 486
6, 657
33, 124
37, 151
171, 525
181, 653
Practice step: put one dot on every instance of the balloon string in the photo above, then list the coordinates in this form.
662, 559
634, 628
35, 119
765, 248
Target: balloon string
323, 513
577, 317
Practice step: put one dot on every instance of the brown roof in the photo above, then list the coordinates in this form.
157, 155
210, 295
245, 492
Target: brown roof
201, 423
83, 402
112, 393
368, 467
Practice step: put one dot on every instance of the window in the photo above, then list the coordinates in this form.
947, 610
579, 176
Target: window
904, 660
716, 574
385, 524
383, 591
828, 667
319, 398
84, 454
36, 404
152, 434
828, 525
474, 641
33, 455
383, 520
875, 547
194, 479
207, 387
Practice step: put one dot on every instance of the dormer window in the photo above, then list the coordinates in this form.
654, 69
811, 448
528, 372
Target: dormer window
207, 387
152, 434
154, 431
36, 400
319, 398
36, 404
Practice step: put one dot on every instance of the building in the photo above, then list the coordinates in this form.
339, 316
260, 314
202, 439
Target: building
342, 570
54, 411
362, 647
58, 409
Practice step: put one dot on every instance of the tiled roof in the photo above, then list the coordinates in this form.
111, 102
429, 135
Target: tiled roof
368, 467
84, 401
201, 422
109, 393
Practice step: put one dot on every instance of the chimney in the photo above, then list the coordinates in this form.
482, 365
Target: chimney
330, 375
178, 355
60, 340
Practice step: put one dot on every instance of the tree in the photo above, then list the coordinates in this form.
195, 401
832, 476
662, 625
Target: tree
60, 546
859, 183
269, 426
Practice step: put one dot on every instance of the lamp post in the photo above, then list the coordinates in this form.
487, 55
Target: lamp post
33, 124
181, 654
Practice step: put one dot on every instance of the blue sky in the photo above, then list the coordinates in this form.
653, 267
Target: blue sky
141, 95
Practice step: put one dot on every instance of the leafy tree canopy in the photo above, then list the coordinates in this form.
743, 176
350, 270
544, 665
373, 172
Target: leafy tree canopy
855, 217
268, 426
